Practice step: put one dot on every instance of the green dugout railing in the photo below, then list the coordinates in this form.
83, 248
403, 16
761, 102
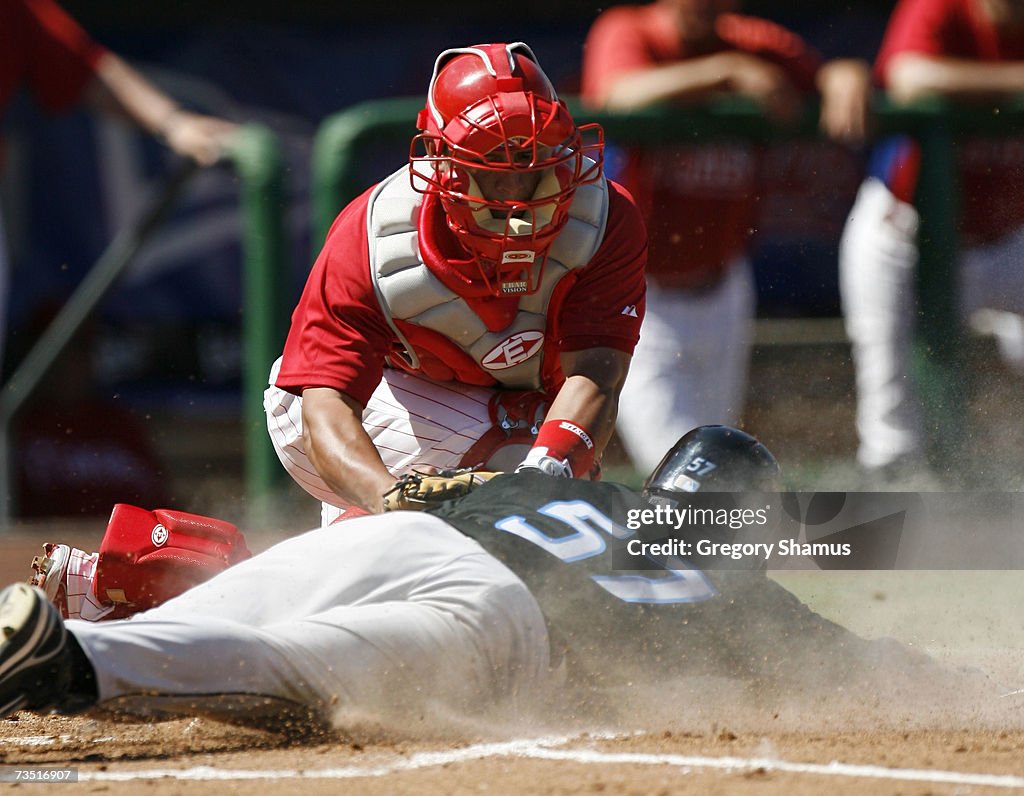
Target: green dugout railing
256, 158
938, 346
266, 301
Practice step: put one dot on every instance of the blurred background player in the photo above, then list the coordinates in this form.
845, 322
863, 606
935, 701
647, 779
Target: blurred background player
508, 598
966, 50
700, 202
47, 52
492, 286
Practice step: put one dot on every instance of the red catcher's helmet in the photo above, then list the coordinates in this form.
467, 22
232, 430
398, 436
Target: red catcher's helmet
491, 108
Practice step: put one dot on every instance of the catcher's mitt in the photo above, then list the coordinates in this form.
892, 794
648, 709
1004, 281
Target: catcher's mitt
420, 491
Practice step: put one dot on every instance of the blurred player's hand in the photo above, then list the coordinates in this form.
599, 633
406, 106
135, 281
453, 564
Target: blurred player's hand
201, 138
845, 87
764, 82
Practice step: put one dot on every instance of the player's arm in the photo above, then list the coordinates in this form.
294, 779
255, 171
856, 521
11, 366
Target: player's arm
697, 79
590, 394
341, 450
910, 76
66, 66
581, 418
598, 325
621, 74
121, 90
691, 80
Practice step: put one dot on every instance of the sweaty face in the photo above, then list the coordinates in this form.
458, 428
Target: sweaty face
507, 186
510, 185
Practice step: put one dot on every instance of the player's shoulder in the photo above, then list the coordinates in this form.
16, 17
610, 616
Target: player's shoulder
352, 215
355, 212
625, 220
620, 200
341, 271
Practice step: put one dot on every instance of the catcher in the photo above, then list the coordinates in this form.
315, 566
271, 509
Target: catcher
507, 597
479, 306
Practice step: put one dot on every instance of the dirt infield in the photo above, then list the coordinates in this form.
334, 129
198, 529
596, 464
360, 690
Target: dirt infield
209, 758
698, 743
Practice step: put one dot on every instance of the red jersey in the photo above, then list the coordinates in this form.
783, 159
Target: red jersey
340, 337
991, 169
700, 202
43, 48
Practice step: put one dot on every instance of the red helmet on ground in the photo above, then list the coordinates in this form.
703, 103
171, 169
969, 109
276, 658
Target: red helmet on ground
492, 111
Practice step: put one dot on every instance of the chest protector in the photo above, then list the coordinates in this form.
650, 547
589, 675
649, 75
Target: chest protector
409, 292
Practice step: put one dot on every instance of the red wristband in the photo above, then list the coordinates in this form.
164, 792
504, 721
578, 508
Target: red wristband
567, 441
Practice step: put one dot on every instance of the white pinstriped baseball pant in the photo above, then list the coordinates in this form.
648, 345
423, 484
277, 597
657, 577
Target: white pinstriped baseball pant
413, 422
877, 264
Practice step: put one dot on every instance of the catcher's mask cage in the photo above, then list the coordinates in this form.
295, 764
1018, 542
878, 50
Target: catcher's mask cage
715, 459
491, 108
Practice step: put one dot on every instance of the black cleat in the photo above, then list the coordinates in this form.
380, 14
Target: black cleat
35, 653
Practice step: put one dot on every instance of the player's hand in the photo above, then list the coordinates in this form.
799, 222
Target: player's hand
548, 465
421, 491
845, 87
202, 138
765, 83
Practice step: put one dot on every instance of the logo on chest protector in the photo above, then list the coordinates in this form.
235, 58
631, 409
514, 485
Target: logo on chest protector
524, 256
515, 349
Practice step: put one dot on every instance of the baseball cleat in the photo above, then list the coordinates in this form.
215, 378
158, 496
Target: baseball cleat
35, 656
49, 573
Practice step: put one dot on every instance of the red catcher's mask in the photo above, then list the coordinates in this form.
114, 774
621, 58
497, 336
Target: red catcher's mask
493, 118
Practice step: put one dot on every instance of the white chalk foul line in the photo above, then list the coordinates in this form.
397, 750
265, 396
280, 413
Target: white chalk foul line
832, 769
542, 749
518, 748
49, 740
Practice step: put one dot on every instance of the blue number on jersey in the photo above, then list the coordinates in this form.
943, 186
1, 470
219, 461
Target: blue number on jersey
681, 583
